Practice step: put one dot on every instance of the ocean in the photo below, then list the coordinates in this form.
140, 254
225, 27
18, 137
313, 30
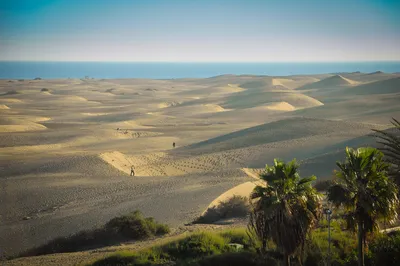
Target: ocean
105, 70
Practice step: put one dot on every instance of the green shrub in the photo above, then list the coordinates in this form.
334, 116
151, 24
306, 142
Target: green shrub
181, 252
135, 226
120, 229
385, 250
198, 245
343, 247
237, 235
231, 259
236, 206
323, 185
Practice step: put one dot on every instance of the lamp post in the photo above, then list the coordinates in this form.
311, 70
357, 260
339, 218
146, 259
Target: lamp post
328, 213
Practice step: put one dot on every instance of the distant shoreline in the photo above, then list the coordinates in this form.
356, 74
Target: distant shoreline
178, 70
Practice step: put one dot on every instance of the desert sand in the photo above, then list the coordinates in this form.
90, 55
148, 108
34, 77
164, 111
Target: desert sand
67, 146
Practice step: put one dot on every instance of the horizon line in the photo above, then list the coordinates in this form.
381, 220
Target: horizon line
110, 61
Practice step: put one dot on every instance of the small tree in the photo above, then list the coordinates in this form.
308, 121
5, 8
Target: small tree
363, 188
285, 208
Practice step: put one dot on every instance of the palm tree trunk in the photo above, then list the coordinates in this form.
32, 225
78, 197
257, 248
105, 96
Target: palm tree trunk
360, 239
286, 259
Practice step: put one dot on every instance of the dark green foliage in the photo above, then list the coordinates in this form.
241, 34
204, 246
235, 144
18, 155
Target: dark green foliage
198, 245
196, 248
385, 250
135, 226
285, 208
123, 228
391, 148
233, 259
237, 206
323, 185
364, 190
343, 246
44, 89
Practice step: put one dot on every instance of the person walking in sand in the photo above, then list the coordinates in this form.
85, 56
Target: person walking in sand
132, 171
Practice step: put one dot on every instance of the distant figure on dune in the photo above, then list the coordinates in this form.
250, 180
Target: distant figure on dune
132, 171
173, 144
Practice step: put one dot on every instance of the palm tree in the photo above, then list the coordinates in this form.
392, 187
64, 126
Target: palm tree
287, 207
363, 188
391, 148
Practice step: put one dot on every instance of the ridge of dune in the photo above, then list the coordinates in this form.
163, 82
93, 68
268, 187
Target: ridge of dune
386, 86
168, 104
243, 190
21, 128
10, 100
251, 99
94, 114
118, 160
281, 130
255, 84
334, 81
4, 107
279, 106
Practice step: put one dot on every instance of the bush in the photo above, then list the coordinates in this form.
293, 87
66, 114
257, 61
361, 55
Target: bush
238, 235
231, 259
123, 228
198, 245
37, 79
44, 89
385, 250
343, 247
237, 206
185, 251
135, 226
323, 185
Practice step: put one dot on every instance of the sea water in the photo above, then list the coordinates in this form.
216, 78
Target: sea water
105, 70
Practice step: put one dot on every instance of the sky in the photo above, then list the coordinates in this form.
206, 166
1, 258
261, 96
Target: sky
200, 31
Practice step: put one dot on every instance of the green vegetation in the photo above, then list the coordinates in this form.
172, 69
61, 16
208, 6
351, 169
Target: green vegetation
391, 149
385, 250
186, 251
236, 206
363, 188
285, 208
128, 227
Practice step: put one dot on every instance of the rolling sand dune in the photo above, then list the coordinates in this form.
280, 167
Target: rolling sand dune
334, 81
10, 100
378, 87
66, 153
251, 99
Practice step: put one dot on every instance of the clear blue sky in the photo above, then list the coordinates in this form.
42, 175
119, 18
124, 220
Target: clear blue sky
203, 30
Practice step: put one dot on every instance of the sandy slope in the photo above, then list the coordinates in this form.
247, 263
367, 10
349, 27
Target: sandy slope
66, 153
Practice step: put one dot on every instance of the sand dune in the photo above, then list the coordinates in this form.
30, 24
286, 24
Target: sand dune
276, 131
168, 104
253, 99
334, 81
279, 106
10, 100
4, 107
193, 110
70, 151
378, 87
21, 128
95, 114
